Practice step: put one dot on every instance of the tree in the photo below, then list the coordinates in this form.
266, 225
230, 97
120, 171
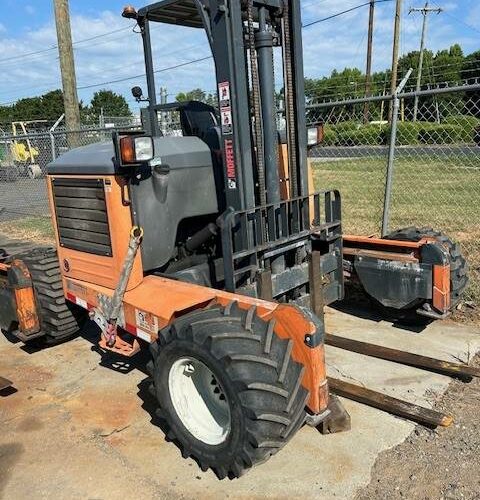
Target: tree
471, 72
46, 107
197, 95
111, 103
52, 104
192, 95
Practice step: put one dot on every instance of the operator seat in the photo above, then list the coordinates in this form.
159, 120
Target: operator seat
200, 120
197, 118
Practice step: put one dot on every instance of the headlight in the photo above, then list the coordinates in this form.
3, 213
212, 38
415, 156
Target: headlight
136, 149
143, 148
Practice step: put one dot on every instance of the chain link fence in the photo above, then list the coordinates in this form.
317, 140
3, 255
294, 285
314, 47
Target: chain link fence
435, 171
23, 165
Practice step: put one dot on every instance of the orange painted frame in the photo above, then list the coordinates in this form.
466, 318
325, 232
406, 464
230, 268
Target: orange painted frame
167, 299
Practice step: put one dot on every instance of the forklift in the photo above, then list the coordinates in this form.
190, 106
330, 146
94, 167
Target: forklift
211, 247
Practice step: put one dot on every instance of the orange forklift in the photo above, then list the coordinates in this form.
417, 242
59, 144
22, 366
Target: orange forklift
211, 247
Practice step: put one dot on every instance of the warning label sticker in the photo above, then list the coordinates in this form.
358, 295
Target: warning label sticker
224, 94
78, 290
226, 114
146, 321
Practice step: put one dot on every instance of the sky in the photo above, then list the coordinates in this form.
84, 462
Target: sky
29, 60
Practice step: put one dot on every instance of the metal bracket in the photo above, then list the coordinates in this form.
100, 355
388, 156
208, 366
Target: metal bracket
316, 420
99, 319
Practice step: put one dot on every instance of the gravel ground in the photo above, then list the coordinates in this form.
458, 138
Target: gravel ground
435, 464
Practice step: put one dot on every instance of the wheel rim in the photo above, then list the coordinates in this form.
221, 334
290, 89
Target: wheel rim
199, 400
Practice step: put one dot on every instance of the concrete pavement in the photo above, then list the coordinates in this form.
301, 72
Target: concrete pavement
80, 426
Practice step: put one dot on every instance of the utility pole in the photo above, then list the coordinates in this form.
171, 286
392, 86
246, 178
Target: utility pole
368, 76
424, 11
396, 43
67, 67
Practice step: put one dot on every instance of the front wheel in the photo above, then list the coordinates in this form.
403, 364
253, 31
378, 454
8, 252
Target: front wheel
229, 394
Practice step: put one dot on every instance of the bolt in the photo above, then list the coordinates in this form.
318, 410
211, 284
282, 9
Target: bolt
189, 368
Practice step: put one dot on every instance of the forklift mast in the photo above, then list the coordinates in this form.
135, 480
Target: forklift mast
270, 221
243, 36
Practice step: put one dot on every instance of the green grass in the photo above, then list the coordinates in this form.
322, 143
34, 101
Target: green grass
29, 228
443, 193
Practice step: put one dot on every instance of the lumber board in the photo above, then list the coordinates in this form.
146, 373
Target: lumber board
392, 405
457, 370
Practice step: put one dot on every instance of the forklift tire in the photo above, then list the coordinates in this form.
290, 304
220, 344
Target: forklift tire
458, 264
229, 394
60, 320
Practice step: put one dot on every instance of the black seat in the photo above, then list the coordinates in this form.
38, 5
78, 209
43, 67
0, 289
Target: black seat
197, 118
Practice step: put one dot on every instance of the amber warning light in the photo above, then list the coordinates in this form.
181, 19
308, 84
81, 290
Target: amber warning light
136, 149
129, 12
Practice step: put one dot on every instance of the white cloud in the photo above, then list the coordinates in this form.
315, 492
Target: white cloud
112, 57
333, 44
474, 16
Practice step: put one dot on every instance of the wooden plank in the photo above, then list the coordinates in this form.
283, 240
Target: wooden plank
389, 404
457, 370
4, 383
349, 238
377, 254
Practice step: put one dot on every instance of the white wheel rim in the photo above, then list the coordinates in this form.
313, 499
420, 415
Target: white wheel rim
199, 400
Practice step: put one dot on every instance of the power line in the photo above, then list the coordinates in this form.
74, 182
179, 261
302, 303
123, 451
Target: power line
143, 74
330, 79
138, 76
342, 13
22, 56
111, 69
160, 50
459, 20
316, 2
194, 61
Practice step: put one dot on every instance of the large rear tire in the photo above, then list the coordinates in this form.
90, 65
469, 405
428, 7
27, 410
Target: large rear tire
60, 320
229, 393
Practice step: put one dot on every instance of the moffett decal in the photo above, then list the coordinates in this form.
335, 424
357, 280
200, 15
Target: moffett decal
230, 162
227, 129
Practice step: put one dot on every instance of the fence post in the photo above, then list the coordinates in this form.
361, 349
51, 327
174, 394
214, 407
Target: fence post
52, 137
52, 146
391, 155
